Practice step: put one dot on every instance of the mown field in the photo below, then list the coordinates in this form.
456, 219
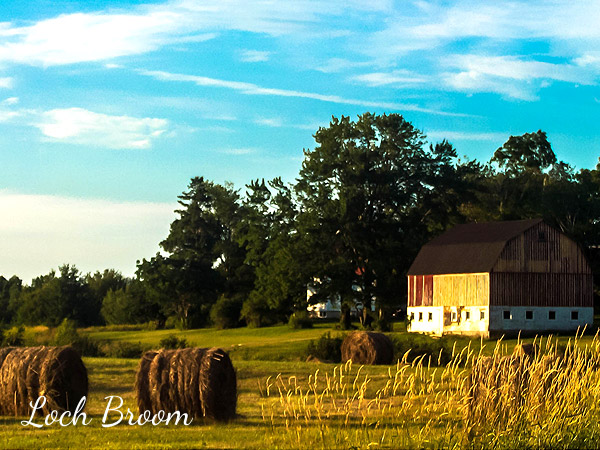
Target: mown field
285, 402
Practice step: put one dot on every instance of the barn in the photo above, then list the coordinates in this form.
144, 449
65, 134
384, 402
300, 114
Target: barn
500, 278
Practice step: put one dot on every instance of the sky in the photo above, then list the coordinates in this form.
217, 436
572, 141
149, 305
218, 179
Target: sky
108, 108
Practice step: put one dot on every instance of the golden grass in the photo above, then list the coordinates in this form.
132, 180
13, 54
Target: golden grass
548, 399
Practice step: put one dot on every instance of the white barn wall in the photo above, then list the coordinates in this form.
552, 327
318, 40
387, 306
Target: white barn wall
540, 321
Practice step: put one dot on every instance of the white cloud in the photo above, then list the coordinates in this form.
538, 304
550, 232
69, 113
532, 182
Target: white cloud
6, 82
334, 65
103, 35
396, 78
510, 76
466, 135
80, 126
274, 122
238, 151
253, 89
254, 56
46, 231
10, 101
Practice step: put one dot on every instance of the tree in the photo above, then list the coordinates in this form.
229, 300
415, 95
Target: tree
129, 304
370, 194
204, 257
51, 298
9, 291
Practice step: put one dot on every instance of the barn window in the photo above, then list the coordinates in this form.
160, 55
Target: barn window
481, 315
453, 316
507, 315
467, 315
574, 315
528, 315
412, 316
420, 317
541, 236
551, 315
430, 317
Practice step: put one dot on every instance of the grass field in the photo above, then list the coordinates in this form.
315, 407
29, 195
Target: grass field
299, 412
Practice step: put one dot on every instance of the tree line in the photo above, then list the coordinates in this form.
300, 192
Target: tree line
367, 197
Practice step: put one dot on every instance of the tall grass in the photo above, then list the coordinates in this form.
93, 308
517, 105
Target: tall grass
549, 400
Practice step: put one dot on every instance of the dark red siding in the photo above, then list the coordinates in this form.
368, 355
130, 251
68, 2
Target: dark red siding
428, 290
541, 289
419, 290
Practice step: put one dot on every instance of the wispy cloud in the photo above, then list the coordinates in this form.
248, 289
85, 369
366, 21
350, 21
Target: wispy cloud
10, 101
6, 82
511, 76
84, 127
334, 65
274, 122
466, 135
102, 35
238, 151
253, 89
254, 56
45, 231
396, 78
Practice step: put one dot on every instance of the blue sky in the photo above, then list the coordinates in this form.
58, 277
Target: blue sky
108, 108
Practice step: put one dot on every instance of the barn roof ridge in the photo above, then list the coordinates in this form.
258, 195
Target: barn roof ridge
468, 248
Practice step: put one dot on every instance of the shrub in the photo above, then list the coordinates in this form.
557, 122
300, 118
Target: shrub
122, 349
326, 347
225, 313
172, 342
382, 325
173, 322
14, 337
299, 320
439, 349
66, 334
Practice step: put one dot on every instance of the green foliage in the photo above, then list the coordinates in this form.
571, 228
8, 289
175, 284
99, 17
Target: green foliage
225, 313
256, 312
382, 324
13, 337
66, 334
173, 322
9, 291
326, 347
173, 342
52, 298
439, 349
128, 305
299, 320
122, 349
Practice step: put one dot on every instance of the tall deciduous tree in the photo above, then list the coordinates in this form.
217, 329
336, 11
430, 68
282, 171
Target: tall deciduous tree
371, 193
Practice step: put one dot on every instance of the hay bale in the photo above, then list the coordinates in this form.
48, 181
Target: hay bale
218, 385
197, 381
526, 350
142, 385
367, 347
29, 372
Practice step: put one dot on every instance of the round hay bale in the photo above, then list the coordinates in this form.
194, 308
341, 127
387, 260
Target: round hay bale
526, 350
29, 372
196, 381
367, 347
63, 379
142, 387
218, 385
